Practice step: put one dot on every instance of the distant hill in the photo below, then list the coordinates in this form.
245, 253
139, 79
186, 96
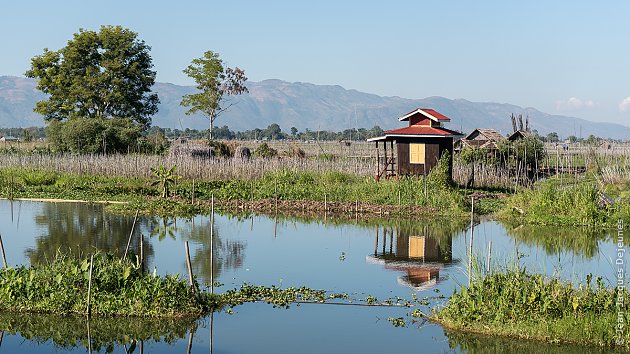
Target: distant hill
326, 107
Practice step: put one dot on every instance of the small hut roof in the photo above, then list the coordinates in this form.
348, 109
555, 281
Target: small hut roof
417, 131
519, 134
427, 112
489, 134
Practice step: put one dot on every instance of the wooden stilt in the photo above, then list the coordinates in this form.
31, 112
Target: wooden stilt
4, 257
470, 248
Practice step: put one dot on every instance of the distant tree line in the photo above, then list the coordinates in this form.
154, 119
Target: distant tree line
553, 137
272, 132
24, 134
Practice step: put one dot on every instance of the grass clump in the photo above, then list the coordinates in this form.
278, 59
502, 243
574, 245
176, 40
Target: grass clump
38, 178
119, 287
519, 304
550, 203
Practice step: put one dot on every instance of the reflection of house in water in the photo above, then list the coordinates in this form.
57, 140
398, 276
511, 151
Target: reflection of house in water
418, 254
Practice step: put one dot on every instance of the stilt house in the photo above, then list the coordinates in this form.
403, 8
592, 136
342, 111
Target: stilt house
418, 147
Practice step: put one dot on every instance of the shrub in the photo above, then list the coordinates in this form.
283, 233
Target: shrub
39, 178
220, 148
265, 151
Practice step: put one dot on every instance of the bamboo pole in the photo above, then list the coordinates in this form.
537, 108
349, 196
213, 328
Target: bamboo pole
190, 342
89, 295
141, 252
489, 256
89, 336
470, 248
4, 257
188, 265
211, 325
212, 245
133, 226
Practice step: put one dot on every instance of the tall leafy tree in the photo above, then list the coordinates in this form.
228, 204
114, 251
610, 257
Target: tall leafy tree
215, 82
97, 75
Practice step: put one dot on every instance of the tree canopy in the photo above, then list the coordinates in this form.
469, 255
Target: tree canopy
214, 81
101, 75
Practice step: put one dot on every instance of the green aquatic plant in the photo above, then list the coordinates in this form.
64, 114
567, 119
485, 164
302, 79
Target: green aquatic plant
519, 304
119, 287
550, 203
164, 178
397, 321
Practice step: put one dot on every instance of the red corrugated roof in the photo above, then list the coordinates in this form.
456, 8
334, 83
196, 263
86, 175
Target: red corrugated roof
422, 130
427, 112
436, 114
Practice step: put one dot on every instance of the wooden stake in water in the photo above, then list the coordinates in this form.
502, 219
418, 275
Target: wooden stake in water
489, 256
276, 193
211, 320
89, 296
141, 252
190, 342
188, 265
252, 194
470, 248
89, 337
4, 257
133, 226
376, 242
212, 246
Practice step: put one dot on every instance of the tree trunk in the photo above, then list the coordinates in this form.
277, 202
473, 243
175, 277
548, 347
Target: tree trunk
211, 115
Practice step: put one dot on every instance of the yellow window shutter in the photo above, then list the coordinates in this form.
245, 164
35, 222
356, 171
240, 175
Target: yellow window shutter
416, 153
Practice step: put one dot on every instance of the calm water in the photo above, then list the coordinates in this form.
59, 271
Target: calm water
398, 259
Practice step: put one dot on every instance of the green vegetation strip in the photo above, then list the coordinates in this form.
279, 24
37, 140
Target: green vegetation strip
573, 202
119, 287
283, 185
519, 304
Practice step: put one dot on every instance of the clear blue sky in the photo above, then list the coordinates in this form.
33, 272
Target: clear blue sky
562, 57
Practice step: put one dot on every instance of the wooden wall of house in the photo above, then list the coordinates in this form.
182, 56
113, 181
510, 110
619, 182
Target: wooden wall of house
434, 148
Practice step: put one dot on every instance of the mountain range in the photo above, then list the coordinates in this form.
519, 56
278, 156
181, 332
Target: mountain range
325, 107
